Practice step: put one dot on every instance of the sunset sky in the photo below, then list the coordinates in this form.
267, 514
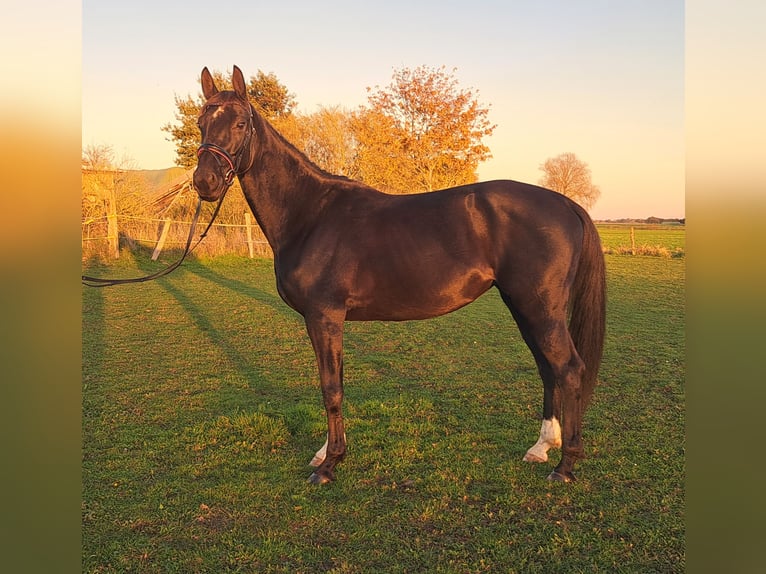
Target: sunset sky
604, 80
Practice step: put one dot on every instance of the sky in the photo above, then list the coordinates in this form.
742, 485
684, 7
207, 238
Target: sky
601, 79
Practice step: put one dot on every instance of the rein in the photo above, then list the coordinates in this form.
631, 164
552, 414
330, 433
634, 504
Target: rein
105, 282
232, 163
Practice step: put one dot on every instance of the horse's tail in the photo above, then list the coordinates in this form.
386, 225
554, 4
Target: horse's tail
587, 322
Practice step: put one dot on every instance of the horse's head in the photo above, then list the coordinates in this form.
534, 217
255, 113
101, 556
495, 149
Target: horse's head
226, 125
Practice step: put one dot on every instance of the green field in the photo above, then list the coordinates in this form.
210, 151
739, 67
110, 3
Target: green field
201, 411
670, 240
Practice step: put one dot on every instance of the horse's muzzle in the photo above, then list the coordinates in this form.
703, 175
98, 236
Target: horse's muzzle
208, 184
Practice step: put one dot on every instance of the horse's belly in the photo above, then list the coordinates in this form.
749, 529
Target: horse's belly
416, 297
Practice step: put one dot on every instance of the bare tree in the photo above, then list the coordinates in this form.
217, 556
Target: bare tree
102, 157
570, 176
97, 157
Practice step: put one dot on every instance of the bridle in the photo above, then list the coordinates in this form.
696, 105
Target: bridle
232, 165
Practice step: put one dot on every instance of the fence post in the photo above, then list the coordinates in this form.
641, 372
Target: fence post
112, 233
632, 241
249, 230
161, 240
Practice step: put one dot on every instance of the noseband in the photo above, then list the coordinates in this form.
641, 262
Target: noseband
218, 152
230, 164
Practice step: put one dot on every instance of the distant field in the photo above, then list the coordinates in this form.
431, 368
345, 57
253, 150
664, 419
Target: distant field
201, 411
669, 236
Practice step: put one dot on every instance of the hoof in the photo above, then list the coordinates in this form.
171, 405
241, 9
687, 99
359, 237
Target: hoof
559, 477
319, 478
532, 457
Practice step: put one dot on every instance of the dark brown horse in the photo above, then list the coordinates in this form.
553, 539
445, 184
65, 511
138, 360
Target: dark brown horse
346, 252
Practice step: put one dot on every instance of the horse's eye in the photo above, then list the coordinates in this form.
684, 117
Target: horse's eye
241, 125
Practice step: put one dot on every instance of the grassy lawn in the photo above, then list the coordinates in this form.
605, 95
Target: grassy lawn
201, 410
670, 239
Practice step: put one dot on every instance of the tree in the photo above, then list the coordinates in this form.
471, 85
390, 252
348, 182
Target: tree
97, 157
380, 156
269, 96
266, 93
569, 176
107, 178
326, 137
185, 134
421, 132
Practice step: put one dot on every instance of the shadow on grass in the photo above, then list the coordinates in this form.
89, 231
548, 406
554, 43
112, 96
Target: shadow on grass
273, 301
203, 315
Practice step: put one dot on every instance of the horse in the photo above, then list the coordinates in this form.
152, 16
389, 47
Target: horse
344, 251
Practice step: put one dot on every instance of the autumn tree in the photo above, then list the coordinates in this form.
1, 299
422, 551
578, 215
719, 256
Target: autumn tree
325, 136
380, 154
570, 176
420, 133
266, 93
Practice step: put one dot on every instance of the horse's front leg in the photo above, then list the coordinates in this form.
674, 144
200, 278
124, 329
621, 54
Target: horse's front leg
326, 334
321, 454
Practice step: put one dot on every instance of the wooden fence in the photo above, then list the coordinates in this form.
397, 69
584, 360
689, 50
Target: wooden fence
102, 237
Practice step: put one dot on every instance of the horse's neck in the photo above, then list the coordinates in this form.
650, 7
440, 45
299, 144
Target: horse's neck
283, 188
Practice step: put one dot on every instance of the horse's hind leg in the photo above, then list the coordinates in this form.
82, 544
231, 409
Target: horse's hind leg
545, 331
550, 437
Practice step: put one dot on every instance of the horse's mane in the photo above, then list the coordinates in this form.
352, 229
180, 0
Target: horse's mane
300, 157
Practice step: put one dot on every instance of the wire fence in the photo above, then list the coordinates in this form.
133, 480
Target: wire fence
100, 240
104, 236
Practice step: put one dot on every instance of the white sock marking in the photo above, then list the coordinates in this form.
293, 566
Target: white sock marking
550, 437
321, 454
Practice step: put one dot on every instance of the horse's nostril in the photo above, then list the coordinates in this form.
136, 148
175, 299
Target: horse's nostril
205, 179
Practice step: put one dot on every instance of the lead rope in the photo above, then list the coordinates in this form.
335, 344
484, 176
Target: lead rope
105, 282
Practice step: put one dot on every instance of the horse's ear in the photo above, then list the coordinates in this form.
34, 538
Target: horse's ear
208, 85
238, 81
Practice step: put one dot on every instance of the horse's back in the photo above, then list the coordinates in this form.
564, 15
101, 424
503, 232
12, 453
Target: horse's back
497, 203
517, 224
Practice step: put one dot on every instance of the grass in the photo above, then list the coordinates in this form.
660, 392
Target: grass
201, 411
652, 240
